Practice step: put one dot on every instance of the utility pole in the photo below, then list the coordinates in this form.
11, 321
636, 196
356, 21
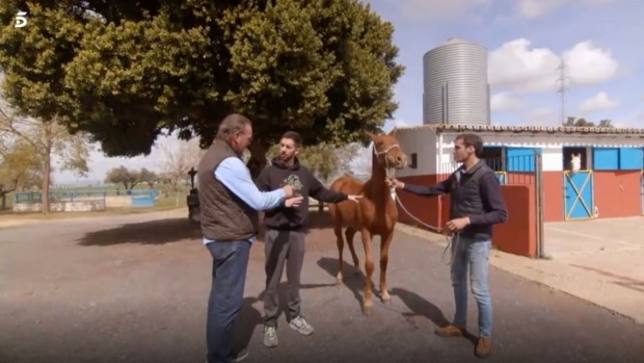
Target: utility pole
562, 87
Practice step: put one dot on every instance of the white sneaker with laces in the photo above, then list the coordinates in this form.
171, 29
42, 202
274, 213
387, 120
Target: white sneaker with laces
301, 326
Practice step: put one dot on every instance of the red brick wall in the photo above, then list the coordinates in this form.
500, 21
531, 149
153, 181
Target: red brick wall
517, 236
617, 193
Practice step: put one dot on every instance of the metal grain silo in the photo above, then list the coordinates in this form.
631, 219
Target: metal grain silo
455, 84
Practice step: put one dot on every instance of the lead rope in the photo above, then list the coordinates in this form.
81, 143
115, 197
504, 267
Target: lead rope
449, 239
391, 173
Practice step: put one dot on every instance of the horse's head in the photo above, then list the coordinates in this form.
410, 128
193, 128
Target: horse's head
388, 152
575, 162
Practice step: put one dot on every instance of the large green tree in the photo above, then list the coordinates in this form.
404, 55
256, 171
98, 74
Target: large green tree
122, 175
128, 71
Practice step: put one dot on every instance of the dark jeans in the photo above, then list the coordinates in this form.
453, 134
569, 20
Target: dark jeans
283, 247
230, 260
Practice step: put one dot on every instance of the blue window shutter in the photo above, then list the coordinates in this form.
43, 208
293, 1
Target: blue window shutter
630, 158
605, 158
520, 159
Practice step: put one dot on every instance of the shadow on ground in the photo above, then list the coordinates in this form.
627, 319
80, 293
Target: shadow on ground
250, 317
153, 232
353, 278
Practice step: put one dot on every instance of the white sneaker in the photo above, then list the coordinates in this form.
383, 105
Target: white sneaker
270, 337
301, 326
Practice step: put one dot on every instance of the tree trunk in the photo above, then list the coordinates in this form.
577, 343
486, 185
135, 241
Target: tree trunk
257, 160
4, 201
44, 195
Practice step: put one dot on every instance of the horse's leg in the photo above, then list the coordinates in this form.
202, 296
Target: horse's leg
340, 242
349, 233
367, 302
384, 259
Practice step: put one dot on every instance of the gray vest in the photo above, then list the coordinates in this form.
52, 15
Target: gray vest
224, 217
465, 198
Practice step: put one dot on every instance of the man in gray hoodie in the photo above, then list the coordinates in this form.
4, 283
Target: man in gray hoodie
286, 229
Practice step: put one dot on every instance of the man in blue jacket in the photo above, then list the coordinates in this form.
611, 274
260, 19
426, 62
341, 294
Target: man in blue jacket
476, 203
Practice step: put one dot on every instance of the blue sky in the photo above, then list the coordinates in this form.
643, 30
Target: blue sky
602, 42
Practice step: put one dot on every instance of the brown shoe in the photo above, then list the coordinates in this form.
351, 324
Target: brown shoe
483, 347
450, 331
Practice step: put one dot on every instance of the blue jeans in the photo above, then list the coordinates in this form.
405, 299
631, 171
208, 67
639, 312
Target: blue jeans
230, 260
471, 254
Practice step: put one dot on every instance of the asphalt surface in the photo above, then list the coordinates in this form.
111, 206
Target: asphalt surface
135, 288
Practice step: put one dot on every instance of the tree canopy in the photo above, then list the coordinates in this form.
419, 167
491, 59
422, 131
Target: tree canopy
582, 122
128, 71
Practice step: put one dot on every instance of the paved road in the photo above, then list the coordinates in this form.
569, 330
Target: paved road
134, 289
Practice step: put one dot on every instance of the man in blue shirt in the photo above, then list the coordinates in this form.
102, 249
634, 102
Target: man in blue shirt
229, 203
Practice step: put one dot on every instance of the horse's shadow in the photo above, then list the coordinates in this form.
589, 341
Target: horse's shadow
353, 277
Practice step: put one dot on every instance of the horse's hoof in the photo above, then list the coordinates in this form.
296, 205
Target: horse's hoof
338, 279
367, 310
386, 299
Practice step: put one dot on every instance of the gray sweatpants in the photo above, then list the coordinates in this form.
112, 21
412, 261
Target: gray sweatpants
282, 247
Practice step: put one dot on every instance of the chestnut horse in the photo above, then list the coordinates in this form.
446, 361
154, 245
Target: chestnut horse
376, 214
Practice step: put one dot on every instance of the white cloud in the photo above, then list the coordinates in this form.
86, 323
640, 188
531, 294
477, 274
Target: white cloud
504, 101
599, 102
537, 8
588, 64
520, 68
390, 124
437, 9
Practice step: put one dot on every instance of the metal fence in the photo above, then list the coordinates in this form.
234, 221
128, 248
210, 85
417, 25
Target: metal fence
140, 197
57, 196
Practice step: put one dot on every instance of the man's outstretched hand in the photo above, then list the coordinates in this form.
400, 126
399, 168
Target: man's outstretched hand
293, 202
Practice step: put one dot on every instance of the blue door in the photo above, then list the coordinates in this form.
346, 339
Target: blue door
578, 194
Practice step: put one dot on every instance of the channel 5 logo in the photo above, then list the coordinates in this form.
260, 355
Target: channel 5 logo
21, 19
